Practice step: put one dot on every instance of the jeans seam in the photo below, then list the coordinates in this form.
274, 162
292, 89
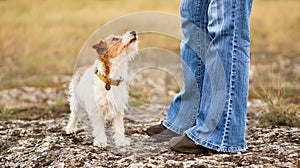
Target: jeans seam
196, 109
199, 81
197, 17
232, 81
198, 75
199, 85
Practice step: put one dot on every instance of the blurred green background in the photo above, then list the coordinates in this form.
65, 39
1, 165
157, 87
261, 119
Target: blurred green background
40, 39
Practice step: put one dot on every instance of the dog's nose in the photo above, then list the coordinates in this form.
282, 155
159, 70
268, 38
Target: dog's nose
133, 33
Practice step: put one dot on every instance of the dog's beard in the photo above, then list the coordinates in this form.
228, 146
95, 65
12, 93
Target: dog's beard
131, 51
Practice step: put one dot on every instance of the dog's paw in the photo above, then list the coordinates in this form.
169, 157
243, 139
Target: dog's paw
122, 142
70, 130
100, 143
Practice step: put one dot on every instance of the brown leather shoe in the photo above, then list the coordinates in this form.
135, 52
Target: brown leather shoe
161, 133
155, 129
184, 144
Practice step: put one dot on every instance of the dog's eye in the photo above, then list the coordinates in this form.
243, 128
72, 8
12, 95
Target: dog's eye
115, 39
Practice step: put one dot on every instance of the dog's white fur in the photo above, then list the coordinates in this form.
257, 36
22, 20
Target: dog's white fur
88, 94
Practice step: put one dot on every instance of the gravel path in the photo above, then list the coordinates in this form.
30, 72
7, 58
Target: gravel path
43, 143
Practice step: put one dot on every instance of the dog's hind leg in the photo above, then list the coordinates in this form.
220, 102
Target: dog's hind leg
119, 135
73, 120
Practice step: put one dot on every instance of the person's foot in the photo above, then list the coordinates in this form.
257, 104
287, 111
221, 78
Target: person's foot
161, 133
184, 144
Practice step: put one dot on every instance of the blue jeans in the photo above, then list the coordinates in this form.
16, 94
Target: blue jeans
211, 108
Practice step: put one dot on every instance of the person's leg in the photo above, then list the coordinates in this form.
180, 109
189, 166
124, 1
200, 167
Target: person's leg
221, 121
183, 110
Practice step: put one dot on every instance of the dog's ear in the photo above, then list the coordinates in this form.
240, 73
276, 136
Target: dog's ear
100, 47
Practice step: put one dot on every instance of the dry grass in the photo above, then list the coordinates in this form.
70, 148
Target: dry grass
275, 25
279, 108
41, 39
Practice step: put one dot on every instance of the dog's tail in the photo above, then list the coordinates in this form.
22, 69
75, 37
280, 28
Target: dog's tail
71, 97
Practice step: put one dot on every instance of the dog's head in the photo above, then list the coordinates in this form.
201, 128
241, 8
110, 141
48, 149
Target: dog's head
114, 46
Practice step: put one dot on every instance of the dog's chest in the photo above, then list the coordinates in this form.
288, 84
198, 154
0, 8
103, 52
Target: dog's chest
111, 102
108, 110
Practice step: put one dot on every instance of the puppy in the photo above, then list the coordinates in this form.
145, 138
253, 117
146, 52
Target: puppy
100, 89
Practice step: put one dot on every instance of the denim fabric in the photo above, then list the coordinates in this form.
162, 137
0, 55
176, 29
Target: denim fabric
211, 108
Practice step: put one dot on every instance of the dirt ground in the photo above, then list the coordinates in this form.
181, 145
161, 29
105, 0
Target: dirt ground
36, 139
43, 143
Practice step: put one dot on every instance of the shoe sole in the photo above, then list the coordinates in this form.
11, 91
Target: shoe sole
160, 138
190, 151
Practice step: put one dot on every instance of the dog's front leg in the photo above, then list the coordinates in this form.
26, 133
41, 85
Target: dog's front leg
119, 135
98, 123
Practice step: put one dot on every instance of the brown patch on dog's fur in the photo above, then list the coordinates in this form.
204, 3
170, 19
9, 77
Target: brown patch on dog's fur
106, 65
107, 53
114, 50
80, 71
